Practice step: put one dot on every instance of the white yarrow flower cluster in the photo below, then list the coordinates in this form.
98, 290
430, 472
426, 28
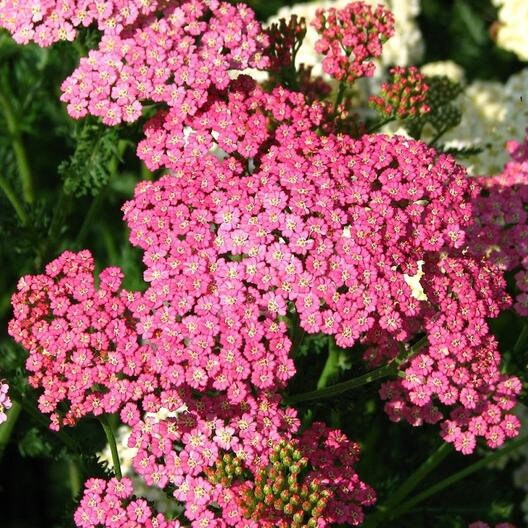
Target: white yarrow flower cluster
493, 114
512, 32
447, 68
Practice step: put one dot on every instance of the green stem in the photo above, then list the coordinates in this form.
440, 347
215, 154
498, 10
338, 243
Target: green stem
380, 124
24, 171
145, 172
6, 429
456, 477
13, 200
340, 95
109, 432
432, 143
109, 244
409, 484
339, 388
391, 369
88, 219
521, 339
74, 476
47, 245
331, 365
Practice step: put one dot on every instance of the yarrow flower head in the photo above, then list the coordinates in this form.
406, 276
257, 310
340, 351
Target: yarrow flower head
173, 58
403, 96
327, 226
501, 228
112, 504
82, 342
351, 37
5, 401
48, 21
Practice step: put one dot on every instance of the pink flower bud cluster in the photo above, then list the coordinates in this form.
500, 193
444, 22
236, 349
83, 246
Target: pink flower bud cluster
112, 504
216, 454
351, 37
5, 401
286, 38
501, 228
173, 59
403, 96
83, 344
194, 452
48, 21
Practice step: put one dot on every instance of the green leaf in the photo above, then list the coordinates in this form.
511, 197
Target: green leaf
34, 445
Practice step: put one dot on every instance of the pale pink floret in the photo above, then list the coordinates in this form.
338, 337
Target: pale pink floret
5, 401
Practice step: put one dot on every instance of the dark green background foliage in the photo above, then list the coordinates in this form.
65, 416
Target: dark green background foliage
82, 172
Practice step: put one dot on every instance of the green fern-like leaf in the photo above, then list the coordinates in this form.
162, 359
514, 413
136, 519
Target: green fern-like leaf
88, 169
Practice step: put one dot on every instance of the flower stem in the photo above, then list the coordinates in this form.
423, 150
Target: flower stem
91, 214
109, 432
409, 485
13, 200
24, 171
74, 476
6, 429
330, 366
390, 369
380, 124
436, 138
456, 477
339, 388
521, 339
340, 95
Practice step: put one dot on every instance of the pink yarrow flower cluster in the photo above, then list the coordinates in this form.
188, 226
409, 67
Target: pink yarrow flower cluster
501, 228
172, 58
239, 121
459, 369
83, 344
112, 504
290, 229
49, 21
261, 219
299, 230
5, 401
84, 353
351, 37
